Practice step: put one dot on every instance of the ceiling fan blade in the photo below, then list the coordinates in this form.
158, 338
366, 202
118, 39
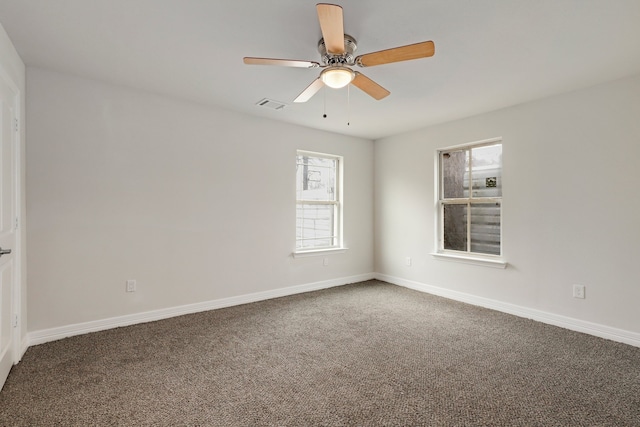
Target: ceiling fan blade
281, 62
370, 87
310, 91
332, 26
397, 54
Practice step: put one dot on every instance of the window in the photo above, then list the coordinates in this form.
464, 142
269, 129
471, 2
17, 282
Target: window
318, 201
470, 199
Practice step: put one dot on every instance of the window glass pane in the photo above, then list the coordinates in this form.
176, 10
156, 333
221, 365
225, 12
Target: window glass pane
486, 170
455, 227
471, 173
316, 178
315, 226
485, 228
454, 165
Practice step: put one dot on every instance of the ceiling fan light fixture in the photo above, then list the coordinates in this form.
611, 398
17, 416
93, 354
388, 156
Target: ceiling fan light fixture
337, 55
337, 77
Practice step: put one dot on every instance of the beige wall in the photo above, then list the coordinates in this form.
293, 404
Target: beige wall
570, 209
195, 203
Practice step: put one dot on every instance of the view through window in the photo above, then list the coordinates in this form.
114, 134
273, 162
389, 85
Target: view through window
318, 201
470, 199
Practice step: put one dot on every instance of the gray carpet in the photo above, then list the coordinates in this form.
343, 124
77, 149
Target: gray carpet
366, 354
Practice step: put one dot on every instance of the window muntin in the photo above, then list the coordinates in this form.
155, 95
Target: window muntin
318, 201
470, 199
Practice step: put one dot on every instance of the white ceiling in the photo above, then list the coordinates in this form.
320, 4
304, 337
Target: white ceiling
489, 53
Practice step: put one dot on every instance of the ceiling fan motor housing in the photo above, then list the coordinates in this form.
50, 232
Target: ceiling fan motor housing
346, 58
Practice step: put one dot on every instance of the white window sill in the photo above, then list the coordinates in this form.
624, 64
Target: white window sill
319, 252
470, 259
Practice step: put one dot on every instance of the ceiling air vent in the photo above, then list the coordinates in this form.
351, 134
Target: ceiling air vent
270, 103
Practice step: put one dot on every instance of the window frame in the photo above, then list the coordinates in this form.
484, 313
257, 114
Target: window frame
336, 204
476, 258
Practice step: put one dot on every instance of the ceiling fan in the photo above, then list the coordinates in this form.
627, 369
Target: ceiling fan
336, 49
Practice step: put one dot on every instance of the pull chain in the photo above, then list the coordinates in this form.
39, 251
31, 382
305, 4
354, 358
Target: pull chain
324, 95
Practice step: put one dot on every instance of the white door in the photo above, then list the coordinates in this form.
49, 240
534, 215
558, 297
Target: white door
8, 224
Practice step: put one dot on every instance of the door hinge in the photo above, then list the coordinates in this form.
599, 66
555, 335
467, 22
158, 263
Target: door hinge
17, 222
17, 123
15, 321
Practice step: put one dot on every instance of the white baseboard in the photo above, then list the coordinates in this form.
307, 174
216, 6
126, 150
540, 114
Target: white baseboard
614, 334
602, 331
46, 335
24, 345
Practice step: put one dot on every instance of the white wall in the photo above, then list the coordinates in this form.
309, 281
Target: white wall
124, 184
13, 66
571, 211
195, 203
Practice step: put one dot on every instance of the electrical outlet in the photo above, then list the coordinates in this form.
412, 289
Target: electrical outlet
578, 291
325, 261
131, 285
407, 261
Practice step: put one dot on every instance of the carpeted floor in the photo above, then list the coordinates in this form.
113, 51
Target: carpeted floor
366, 354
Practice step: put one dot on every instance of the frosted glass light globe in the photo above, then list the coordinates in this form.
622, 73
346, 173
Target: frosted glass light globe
337, 77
